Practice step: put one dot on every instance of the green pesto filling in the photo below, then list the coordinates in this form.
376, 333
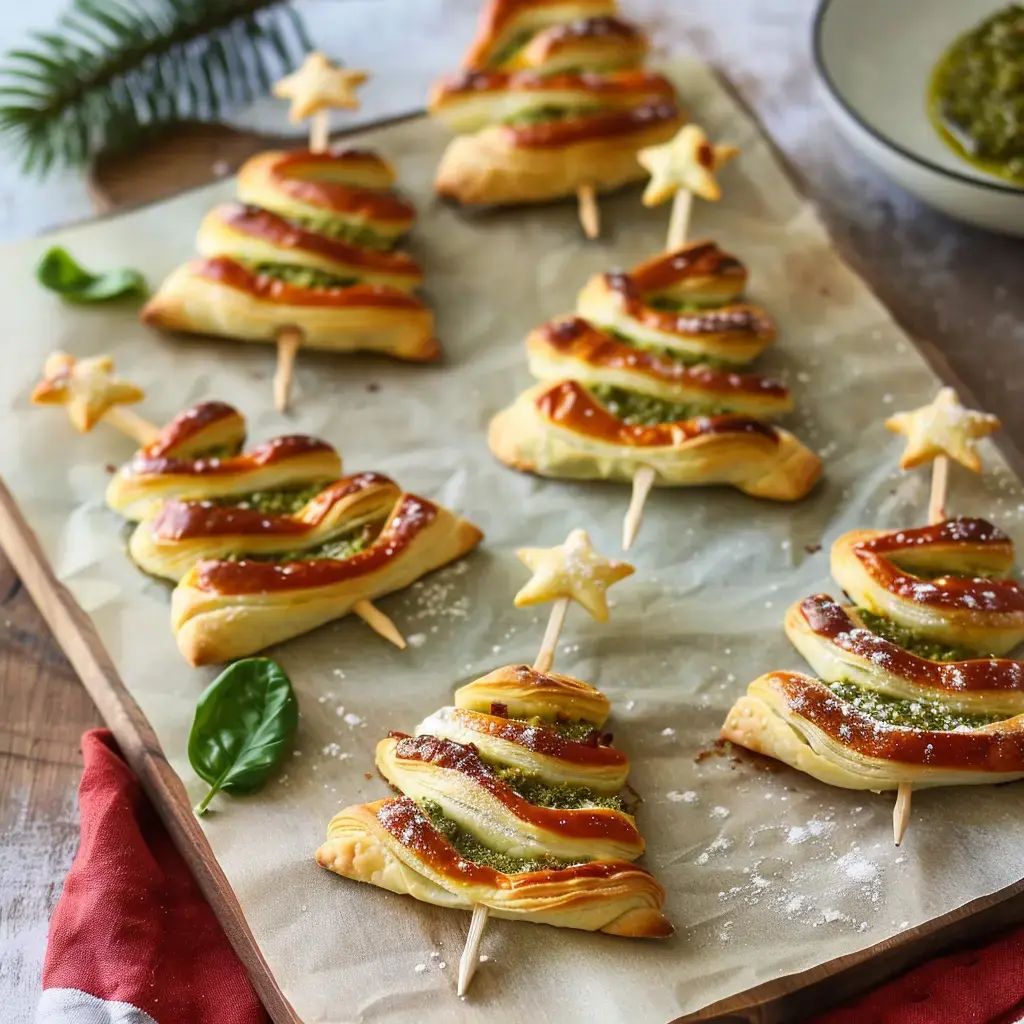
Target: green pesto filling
676, 355
911, 714
473, 850
667, 305
341, 547
932, 650
305, 277
576, 731
333, 227
563, 797
510, 49
219, 451
283, 502
548, 115
646, 410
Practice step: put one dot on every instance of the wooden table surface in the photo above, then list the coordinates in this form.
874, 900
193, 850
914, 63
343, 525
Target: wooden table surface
956, 290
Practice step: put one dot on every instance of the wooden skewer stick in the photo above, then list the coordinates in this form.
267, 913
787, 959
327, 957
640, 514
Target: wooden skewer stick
288, 341
320, 131
379, 622
936, 514
643, 479
589, 211
130, 423
679, 220
471, 954
546, 654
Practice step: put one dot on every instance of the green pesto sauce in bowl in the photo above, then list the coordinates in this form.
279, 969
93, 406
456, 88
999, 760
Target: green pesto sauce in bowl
304, 277
283, 502
976, 95
911, 714
564, 797
910, 641
344, 231
473, 850
646, 410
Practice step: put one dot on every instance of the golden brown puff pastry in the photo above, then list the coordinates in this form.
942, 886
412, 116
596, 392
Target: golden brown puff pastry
699, 273
839, 648
735, 333
943, 582
228, 609
322, 189
223, 297
523, 692
506, 164
560, 430
599, 44
802, 722
470, 100
505, 26
185, 532
196, 456
394, 845
543, 751
573, 348
471, 794
254, 236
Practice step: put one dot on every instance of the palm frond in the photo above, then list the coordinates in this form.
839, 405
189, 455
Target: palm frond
117, 71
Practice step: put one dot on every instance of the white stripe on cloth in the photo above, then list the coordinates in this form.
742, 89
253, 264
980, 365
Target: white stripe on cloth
69, 1006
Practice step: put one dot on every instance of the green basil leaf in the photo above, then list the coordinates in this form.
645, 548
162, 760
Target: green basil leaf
60, 272
244, 720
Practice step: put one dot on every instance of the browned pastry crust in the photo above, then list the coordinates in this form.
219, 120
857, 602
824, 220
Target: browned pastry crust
558, 429
894, 573
470, 100
503, 20
223, 297
801, 722
624, 302
839, 648
227, 609
185, 532
503, 164
392, 844
299, 184
173, 466
572, 347
598, 44
254, 235
525, 692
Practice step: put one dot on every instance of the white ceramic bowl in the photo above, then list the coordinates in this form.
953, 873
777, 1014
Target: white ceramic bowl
875, 59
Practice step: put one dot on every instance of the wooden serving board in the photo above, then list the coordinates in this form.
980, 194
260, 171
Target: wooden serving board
787, 999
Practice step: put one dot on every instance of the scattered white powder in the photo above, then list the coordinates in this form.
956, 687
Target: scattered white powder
857, 867
416, 639
484, 958
794, 906
801, 833
420, 968
689, 797
434, 956
442, 965
338, 674
668, 731
719, 812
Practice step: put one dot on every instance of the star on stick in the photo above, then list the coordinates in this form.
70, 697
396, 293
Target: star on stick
319, 85
90, 391
680, 169
944, 427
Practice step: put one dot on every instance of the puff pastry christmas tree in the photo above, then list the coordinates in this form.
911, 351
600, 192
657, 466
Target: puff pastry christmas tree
510, 800
648, 379
913, 689
551, 101
305, 258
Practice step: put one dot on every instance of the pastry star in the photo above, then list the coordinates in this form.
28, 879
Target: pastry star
687, 161
944, 427
318, 85
87, 387
573, 570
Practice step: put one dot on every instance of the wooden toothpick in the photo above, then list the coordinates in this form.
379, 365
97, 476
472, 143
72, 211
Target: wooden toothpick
379, 623
588, 210
643, 480
288, 341
937, 432
679, 220
572, 571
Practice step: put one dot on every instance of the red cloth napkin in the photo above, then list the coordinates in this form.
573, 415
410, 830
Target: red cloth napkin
132, 933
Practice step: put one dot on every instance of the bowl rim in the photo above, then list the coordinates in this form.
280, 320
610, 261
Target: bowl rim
820, 65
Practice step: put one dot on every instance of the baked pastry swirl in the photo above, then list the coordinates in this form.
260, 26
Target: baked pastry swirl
911, 691
198, 455
308, 247
552, 99
489, 824
619, 394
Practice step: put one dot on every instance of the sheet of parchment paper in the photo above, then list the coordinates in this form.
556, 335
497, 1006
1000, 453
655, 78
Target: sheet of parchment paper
767, 872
